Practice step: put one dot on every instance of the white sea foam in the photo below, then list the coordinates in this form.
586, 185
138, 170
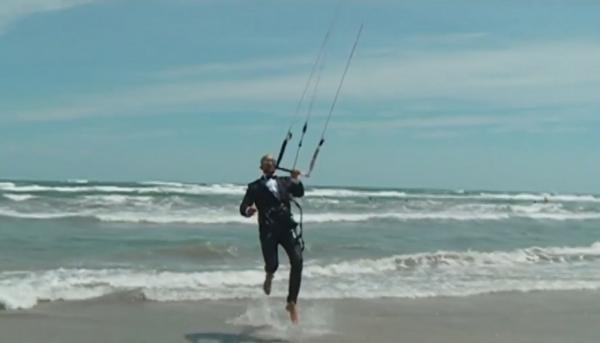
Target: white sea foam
78, 181
162, 187
543, 197
163, 183
442, 273
172, 202
164, 214
39, 215
215, 189
116, 199
346, 193
19, 197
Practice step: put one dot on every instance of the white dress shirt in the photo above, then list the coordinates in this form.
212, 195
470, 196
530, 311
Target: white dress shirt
273, 187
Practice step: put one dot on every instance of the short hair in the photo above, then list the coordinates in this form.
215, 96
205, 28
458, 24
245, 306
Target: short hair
264, 157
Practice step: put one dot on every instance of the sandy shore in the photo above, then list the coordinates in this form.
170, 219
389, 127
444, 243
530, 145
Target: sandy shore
512, 317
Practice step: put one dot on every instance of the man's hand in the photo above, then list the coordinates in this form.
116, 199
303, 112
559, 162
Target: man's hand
250, 211
296, 174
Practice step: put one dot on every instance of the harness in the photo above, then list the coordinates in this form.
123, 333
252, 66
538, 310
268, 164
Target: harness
298, 233
282, 215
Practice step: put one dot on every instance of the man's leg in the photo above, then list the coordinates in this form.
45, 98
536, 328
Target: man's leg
294, 252
268, 245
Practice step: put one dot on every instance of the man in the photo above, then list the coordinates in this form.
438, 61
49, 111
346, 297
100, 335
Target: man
271, 195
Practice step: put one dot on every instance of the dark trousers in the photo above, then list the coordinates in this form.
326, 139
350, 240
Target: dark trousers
269, 241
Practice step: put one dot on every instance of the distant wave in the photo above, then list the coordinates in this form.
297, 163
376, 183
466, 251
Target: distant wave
19, 197
542, 197
166, 188
216, 189
174, 202
117, 199
450, 259
347, 193
78, 181
163, 183
219, 216
427, 274
39, 215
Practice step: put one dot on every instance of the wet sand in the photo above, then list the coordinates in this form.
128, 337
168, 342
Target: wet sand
545, 317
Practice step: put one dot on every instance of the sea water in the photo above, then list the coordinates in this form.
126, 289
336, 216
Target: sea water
174, 241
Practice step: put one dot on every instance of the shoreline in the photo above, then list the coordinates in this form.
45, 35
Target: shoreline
546, 316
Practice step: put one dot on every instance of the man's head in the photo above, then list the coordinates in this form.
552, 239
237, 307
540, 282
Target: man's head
267, 164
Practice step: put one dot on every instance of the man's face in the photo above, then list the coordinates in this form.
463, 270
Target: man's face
268, 165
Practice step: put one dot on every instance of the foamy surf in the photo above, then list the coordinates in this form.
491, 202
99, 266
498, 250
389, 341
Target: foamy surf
427, 274
166, 188
157, 202
19, 197
186, 218
266, 314
217, 217
147, 188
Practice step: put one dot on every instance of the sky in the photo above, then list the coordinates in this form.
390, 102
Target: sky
494, 95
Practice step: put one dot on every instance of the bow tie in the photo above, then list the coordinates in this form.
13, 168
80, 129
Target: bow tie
268, 177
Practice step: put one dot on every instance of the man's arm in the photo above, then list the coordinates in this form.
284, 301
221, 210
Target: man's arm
246, 207
296, 187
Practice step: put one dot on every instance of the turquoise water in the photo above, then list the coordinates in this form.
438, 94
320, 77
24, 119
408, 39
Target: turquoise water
175, 241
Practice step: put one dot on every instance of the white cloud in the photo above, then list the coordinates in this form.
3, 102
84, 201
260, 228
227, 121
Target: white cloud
162, 97
261, 65
533, 74
550, 74
446, 126
448, 38
13, 10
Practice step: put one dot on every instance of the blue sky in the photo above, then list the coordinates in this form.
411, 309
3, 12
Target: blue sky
441, 94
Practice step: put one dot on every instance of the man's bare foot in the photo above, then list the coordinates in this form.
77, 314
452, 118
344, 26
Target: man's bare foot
267, 283
292, 308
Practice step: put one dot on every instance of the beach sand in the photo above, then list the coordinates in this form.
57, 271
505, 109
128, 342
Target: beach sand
509, 317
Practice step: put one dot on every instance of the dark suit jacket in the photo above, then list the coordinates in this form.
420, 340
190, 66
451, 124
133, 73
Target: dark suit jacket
258, 193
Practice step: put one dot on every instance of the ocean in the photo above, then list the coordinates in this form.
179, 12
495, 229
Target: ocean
173, 241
